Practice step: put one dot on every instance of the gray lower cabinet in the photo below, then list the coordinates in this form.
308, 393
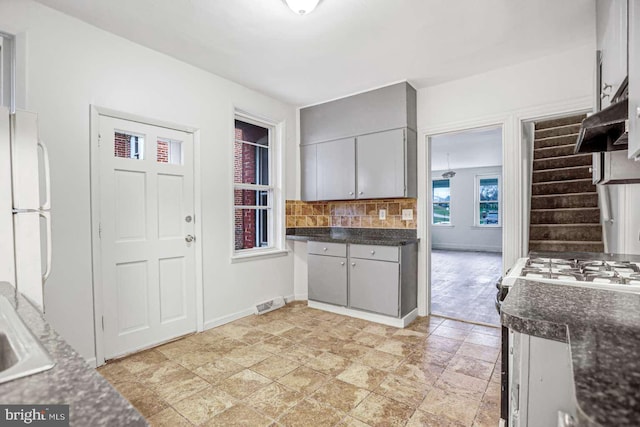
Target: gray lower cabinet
327, 279
375, 286
336, 169
373, 278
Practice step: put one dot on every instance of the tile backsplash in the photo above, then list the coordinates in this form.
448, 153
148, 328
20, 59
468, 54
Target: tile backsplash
350, 213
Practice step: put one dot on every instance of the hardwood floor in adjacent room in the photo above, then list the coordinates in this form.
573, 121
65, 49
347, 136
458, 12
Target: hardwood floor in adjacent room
463, 285
298, 366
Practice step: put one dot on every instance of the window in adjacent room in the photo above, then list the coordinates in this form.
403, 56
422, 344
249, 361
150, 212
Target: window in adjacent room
441, 201
487, 201
253, 185
7, 82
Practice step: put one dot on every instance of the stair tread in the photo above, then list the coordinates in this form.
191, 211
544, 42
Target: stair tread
557, 136
573, 224
561, 169
563, 209
589, 193
575, 242
564, 157
555, 147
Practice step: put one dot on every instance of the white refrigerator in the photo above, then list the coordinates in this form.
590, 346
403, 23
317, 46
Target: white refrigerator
25, 218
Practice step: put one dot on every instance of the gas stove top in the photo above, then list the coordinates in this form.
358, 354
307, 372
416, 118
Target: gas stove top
612, 275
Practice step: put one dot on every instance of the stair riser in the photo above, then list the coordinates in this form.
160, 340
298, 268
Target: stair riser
565, 130
563, 162
565, 247
553, 123
583, 216
544, 153
563, 187
561, 174
558, 202
555, 141
569, 233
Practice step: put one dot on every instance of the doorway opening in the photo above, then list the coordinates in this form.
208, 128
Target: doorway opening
465, 208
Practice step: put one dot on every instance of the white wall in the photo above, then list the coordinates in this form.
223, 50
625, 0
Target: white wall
540, 88
462, 233
71, 65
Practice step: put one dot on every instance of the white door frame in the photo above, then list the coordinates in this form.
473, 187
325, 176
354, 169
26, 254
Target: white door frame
514, 216
96, 253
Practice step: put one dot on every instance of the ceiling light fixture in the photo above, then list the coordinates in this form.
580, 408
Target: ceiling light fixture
302, 7
449, 173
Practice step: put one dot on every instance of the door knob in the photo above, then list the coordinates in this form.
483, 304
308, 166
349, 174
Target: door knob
189, 238
188, 218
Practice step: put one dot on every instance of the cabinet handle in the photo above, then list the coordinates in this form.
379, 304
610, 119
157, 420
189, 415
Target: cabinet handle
373, 252
638, 112
324, 249
353, 264
351, 193
361, 193
342, 263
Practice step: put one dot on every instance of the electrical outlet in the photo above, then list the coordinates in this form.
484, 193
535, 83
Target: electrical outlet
407, 214
382, 214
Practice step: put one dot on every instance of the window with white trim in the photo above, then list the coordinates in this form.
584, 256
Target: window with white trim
487, 201
441, 197
253, 187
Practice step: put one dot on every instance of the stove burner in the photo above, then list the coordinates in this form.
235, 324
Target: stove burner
596, 271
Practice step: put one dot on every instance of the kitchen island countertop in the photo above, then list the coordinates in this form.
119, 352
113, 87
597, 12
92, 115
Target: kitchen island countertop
92, 400
602, 329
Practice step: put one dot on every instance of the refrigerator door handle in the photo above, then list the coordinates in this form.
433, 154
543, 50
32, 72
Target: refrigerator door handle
47, 177
47, 271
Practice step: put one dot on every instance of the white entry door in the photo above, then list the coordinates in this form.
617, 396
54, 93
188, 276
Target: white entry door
146, 229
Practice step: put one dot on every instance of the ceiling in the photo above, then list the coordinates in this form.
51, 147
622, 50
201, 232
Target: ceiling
469, 149
344, 46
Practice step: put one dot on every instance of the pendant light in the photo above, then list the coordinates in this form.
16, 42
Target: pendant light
302, 7
449, 173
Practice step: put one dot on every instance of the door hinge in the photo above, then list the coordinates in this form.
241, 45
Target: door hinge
103, 323
100, 231
99, 140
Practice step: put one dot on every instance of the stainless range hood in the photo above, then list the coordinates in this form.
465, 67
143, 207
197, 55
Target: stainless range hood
606, 130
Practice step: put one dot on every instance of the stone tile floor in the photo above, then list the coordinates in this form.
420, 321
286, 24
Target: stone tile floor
463, 285
298, 366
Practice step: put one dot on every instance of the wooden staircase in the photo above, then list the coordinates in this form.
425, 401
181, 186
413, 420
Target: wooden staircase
564, 204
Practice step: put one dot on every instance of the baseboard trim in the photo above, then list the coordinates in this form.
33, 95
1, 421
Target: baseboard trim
302, 297
223, 320
372, 317
92, 361
469, 248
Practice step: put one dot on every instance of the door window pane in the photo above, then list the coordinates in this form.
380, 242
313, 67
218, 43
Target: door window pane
128, 145
169, 151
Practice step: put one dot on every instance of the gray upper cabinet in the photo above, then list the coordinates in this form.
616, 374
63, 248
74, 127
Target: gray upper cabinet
336, 169
390, 107
611, 33
309, 172
381, 123
383, 169
634, 79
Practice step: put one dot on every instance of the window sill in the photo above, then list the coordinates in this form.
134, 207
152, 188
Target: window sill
485, 227
443, 225
259, 254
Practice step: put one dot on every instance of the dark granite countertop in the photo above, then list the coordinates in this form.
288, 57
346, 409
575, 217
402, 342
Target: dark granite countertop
602, 329
361, 236
91, 399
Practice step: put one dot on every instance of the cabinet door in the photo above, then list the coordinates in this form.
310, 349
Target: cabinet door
374, 286
336, 169
634, 79
308, 173
327, 279
381, 166
611, 31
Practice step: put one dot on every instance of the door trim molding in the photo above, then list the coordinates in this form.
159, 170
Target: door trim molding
514, 186
96, 253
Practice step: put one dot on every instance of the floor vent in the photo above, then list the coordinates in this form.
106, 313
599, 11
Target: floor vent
267, 306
